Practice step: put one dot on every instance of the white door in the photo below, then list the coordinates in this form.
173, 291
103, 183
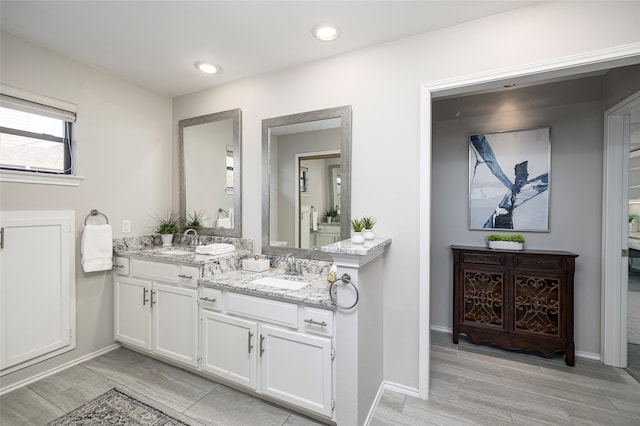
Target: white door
229, 347
37, 304
297, 368
132, 304
175, 323
615, 231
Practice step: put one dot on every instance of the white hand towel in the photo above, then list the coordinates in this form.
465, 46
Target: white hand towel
224, 222
97, 248
314, 221
215, 248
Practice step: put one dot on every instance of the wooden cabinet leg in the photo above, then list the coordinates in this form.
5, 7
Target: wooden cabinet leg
570, 358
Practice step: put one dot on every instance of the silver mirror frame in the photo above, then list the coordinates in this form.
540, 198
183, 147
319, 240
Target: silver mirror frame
236, 116
344, 114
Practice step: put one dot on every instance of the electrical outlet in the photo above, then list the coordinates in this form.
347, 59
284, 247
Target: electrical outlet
126, 226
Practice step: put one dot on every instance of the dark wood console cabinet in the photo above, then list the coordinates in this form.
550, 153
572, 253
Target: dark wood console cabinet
515, 299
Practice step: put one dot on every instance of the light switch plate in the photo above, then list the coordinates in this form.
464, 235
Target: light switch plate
126, 226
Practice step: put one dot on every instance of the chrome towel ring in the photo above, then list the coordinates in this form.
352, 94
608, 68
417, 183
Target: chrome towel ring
95, 212
346, 280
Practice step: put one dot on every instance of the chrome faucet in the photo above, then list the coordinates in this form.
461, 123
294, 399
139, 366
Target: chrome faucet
195, 235
290, 265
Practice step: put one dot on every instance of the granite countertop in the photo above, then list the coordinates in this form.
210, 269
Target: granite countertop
349, 248
176, 254
316, 293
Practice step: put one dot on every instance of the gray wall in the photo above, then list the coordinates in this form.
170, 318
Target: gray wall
574, 111
382, 84
123, 151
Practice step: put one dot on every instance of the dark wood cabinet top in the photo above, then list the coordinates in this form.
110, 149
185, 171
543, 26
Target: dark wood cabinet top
525, 251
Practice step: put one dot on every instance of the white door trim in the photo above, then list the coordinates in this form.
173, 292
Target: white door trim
615, 209
553, 68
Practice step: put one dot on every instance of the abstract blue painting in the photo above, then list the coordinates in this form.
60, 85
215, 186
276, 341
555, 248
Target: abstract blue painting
509, 180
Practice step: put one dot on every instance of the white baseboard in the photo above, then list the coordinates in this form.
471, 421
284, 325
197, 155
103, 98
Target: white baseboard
57, 369
394, 387
587, 355
442, 329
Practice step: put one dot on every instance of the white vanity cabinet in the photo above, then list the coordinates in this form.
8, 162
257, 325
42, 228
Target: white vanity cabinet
156, 308
297, 368
229, 348
132, 311
265, 345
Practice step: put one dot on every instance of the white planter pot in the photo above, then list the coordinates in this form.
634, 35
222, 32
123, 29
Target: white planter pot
357, 238
368, 234
167, 240
505, 245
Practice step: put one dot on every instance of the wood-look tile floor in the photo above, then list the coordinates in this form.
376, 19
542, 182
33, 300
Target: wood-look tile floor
186, 396
470, 385
481, 385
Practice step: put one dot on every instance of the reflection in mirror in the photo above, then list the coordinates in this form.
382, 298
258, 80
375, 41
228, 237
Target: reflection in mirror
306, 182
210, 172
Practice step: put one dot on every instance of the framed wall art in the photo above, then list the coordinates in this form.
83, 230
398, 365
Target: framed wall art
509, 180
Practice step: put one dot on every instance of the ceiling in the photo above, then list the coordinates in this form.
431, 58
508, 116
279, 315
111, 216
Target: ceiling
154, 44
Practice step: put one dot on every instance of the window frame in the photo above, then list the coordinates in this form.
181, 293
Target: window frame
21, 100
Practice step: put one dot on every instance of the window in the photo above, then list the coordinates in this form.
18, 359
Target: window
35, 137
229, 173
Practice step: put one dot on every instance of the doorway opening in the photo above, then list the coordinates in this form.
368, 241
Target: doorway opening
533, 74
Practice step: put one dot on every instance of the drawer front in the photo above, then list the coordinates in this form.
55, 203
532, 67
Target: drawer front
267, 310
188, 275
482, 258
211, 299
538, 262
317, 321
334, 230
167, 272
121, 265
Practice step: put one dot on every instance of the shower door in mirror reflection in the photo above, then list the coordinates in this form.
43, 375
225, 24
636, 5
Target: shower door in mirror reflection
509, 180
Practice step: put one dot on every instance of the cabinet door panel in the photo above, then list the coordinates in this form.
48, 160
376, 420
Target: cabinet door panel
37, 304
483, 297
229, 347
133, 312
296, 368
538, 304
175, 323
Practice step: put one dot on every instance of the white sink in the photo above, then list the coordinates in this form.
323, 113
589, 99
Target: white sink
280, 283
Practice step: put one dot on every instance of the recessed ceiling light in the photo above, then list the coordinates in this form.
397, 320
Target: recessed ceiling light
325, 32
207, 67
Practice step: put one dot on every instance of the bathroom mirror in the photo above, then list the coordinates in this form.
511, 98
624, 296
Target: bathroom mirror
210, 172
306, 166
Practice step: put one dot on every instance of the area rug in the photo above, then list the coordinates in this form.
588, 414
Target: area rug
116, 408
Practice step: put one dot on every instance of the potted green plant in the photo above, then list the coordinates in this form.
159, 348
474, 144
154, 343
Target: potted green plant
195, 219
508, 241
356, 225
331, 214
367, 224
633, 223
166, 226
